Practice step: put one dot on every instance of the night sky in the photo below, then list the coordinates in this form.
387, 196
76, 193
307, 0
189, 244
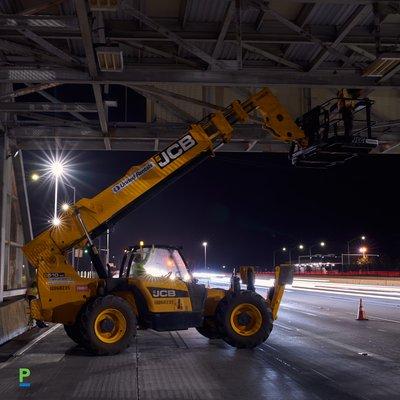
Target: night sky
243, 205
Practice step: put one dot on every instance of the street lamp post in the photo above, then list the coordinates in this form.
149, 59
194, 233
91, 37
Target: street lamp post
205, 254
300, 247
63, 207
283, 249
57, 169
141, 244
107, 246
363, 238
322, 244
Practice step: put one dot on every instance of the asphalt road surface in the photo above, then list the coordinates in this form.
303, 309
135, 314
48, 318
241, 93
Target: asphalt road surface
317, 350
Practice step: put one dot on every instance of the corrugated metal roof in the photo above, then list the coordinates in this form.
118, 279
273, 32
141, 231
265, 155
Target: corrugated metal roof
206, 10
343, 49
303, 52
332, 14
328, 15
10, 6
213, 11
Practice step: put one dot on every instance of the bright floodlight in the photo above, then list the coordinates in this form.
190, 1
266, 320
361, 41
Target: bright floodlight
205, 244
301, 247
56, 221
363, 237
322, 244
35, 177
65, 207
141, 243
57, 168
283, 248
362, 250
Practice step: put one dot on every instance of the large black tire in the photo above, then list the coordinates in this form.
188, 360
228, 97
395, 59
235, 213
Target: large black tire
108, 325
245, 319
210, 329
74, 333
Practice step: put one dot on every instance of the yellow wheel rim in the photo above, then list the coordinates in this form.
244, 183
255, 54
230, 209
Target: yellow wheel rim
110, 325
246, 319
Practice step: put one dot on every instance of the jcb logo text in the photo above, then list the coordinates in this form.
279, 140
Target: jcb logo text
163, 293
175, 150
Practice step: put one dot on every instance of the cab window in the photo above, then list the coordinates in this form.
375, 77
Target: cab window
156, 262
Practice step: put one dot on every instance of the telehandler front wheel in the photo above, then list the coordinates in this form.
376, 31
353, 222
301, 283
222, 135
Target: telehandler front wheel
245, 319
108, 325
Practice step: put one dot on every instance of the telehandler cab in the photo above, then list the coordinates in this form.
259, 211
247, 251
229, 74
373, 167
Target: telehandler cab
103, 313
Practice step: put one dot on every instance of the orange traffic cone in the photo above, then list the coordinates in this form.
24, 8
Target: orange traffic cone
361, 315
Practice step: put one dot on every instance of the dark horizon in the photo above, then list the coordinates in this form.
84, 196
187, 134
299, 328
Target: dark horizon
243, 205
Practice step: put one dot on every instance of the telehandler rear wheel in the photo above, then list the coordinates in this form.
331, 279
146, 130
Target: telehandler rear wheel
209, 329
245, 318
74, 333
108, 325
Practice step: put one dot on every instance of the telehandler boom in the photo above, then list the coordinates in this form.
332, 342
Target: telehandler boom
103, 313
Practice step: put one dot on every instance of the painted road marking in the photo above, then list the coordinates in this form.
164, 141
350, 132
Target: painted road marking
348, 347
297, 310
29, 345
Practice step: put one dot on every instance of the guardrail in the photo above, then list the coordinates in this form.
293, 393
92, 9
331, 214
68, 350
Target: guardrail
386, 274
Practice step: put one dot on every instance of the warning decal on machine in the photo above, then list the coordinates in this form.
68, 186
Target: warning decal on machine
133, 177
57, 278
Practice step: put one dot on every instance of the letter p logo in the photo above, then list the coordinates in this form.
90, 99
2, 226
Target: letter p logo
24, 373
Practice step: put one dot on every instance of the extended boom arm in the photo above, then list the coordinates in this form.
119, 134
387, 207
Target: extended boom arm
93, 216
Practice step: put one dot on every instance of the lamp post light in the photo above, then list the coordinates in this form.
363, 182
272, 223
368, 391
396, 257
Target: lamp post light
57, 170
299, 247
205, 244
362, 237
35, 177
363, 250
283, 249
321, 244
56, 221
